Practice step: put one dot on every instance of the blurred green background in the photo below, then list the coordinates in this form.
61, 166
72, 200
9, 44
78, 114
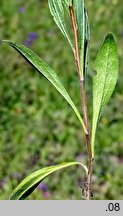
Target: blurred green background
37, 127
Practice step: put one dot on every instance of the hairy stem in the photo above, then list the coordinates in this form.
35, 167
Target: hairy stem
88, 182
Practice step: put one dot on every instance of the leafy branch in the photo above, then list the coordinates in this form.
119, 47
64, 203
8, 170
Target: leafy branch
106, 67
81, 71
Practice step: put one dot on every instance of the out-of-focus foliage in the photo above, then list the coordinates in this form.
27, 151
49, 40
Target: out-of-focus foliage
37, 128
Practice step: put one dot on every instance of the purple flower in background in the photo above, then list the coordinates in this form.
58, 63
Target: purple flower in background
46, 194
30, 38
43, 187
22, 9
27, 43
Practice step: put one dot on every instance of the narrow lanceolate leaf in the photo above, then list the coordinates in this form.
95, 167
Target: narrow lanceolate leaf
87, 45
43, 68
80, 18
28, 185
106, 66
83, 33
57, 11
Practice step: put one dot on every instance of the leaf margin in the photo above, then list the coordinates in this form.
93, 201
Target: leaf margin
59, 18
18, 48
111, 39
19, 192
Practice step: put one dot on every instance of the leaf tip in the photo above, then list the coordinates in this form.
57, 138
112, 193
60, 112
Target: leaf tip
110, 37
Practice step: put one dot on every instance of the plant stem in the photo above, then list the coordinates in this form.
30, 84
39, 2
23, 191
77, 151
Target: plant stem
88, 182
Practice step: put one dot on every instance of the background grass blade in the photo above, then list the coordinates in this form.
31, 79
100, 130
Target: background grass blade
57, 11
28, 185
106, 66
48, 72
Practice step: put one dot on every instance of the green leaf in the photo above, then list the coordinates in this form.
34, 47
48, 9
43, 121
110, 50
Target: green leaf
80, 18
87, 45
28, 185
43, 68
83, 34
106, 66
66, 4
57, 11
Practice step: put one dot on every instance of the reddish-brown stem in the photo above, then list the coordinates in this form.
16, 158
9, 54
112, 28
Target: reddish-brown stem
74, 26
87, 189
